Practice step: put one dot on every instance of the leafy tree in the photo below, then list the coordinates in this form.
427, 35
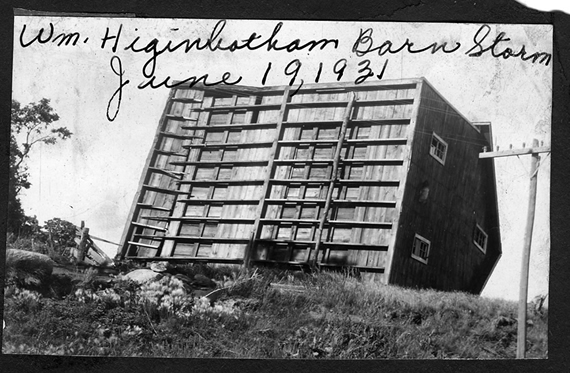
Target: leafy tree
33, 124
61, 232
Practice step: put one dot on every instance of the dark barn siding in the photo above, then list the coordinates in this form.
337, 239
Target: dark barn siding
462, 193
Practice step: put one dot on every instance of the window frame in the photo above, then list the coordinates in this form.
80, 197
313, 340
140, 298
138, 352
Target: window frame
432, 148
478, 228
417, 257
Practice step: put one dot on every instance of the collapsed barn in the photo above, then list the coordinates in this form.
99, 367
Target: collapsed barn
381, 177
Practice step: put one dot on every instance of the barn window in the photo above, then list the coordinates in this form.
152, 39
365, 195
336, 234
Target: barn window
420, 250
438, 148
480, 238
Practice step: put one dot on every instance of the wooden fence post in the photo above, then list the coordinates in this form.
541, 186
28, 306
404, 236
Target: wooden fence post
82, 247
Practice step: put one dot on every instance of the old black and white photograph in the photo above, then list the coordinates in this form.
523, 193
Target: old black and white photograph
278, 189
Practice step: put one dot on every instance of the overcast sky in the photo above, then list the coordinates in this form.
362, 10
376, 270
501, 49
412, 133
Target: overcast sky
94, 175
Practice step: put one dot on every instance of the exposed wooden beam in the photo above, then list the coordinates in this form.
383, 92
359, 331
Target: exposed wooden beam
359, 268
143, 245
137, 224
334, 171
223, 182
362, 224
195, 239
230, 145
212, 219
219, 201
221, 163
180, 118
152, 207
182, 259
265, 192
232, 126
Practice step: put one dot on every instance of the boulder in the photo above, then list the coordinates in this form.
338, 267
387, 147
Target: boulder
23, 262
203, 281
143, 275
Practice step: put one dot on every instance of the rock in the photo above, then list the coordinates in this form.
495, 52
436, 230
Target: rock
143, 275
38, 267
203, 281
159, 267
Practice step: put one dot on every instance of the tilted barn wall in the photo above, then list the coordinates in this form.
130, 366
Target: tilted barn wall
243, 173
461, 195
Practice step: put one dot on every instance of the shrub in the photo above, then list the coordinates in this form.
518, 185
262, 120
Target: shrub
340, 317
164, 298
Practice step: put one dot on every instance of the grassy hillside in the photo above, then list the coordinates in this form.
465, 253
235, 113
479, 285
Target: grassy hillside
268, 314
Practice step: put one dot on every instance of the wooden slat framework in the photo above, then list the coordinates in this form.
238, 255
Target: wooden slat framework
263, 176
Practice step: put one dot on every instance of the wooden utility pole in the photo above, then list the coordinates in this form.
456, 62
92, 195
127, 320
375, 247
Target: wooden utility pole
523, 292
525, 263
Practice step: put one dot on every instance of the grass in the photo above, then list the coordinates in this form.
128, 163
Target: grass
336, 317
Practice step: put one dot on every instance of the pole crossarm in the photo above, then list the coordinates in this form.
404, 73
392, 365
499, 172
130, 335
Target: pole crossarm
512, 152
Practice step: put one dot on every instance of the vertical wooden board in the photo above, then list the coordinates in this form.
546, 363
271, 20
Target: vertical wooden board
330, 113
357, 113
216, 172
319, 113
291, 115
381, 94
299, 254
266, 99
262, 117
245, 191
339, 110
179, 209
261, 231
360, 256
297, 98
338, 257
378, 259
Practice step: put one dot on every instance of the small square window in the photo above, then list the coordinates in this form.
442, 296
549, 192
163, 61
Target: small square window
480, 238
420, 250
438, 148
